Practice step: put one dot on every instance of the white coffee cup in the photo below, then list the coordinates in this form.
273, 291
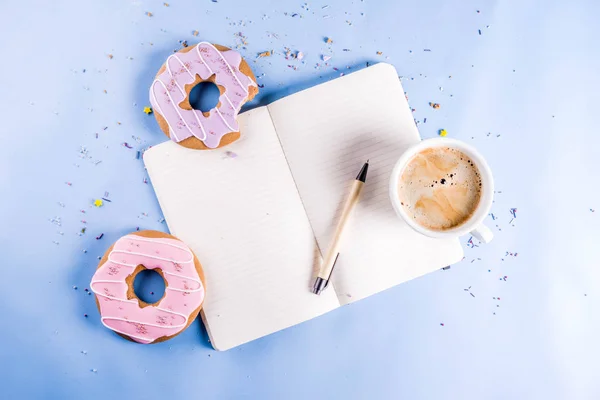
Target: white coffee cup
474, 225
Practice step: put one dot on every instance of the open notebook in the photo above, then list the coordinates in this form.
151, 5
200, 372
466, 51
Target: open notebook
259, 213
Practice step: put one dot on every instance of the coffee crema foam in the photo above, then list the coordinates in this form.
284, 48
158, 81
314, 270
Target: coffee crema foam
440, 188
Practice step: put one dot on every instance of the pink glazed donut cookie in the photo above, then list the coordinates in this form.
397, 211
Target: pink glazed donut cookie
169, 95
123, 312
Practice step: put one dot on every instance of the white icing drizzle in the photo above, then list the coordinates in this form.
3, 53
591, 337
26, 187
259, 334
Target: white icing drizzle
141, 239
174, 56
194, 78
211, 72
103, 318
176, 106
178, 113
224, 60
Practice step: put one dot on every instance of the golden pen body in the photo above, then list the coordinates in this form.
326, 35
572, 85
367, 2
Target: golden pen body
332, 253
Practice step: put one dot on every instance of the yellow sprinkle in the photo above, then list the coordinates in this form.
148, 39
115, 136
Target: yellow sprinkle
195, 33
328, 40
379, 53
148, 110
166, 4
265, 54
148, 13
443, 133
110, 56
435, 106
98, 203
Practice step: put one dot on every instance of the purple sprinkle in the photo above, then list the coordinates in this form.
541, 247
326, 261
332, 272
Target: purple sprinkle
100, 236
127, 145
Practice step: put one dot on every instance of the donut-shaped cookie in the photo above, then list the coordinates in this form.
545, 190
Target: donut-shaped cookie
169, 95
123, 312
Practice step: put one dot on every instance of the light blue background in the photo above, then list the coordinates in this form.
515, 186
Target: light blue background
530, 80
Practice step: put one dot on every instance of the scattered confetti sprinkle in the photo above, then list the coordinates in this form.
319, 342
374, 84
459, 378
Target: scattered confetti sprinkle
195, 33
443, 132
265, 54
379, 53
148, 110
74, 287
100, 236
326, 58
166, 4
127, 145
435, 106
592, 210
94, 370
230, 154
328, 40
98, 203
148, 13
441, 324
110, 56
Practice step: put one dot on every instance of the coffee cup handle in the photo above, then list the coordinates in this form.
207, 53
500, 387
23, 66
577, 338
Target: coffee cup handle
483, 234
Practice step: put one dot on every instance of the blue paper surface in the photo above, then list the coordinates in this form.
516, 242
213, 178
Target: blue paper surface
517, 318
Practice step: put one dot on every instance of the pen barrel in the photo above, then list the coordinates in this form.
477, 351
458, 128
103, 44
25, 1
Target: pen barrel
339, 230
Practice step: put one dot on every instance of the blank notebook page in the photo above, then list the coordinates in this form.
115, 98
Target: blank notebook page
327, 132
244, 220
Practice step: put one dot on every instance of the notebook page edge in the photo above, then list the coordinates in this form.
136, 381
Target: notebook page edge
410, 136
219, 341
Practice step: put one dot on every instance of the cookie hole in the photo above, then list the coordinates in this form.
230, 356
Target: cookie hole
149, 286
204, 96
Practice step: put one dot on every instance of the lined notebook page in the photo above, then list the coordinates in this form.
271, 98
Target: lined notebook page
327, 132
244, 220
